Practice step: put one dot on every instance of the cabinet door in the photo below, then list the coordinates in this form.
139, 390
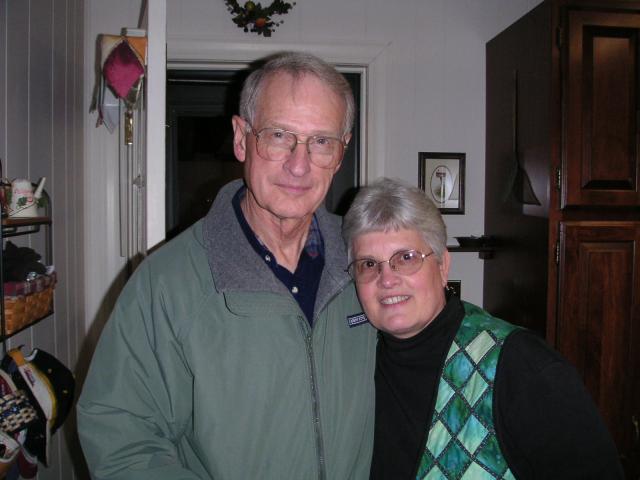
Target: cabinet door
598, 327
600, 158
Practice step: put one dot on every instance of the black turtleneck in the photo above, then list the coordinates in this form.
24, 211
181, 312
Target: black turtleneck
407, 373
547, 425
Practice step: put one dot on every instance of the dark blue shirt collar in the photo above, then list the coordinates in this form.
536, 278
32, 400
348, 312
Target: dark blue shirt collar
303, 283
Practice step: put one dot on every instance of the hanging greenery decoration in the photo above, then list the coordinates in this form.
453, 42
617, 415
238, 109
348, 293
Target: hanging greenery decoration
256, 18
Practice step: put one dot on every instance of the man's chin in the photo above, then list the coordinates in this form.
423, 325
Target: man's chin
290, 209
293, 215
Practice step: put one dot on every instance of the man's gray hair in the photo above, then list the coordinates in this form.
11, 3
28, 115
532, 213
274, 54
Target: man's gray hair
390, 204
297, 65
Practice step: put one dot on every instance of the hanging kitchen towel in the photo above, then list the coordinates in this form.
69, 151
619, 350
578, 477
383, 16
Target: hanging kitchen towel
123, 61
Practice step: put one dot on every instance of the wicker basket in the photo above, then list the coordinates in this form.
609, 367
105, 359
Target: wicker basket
23, 310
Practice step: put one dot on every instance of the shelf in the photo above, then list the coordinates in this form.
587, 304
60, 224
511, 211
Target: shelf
25, 326
12, 227
17, 226
484, 253
23, 221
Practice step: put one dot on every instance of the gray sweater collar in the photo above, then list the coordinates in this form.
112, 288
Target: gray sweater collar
234, 263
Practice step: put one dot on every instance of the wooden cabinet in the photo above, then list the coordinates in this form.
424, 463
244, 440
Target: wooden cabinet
600, 155
563, 195
599, 327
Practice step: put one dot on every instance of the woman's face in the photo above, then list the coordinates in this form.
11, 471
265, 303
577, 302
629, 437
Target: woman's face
401, 305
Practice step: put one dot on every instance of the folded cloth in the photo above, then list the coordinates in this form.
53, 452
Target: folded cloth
49, 386
123, 61
108, 107
24, 467
28, 287
16, 415
19, 262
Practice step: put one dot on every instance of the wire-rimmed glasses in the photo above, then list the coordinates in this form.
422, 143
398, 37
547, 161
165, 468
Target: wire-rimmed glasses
404, 262
277, 144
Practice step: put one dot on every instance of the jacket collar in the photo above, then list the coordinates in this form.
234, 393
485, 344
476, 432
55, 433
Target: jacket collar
235, 267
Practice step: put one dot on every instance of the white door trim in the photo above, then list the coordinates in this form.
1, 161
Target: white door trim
155, 123
193, 53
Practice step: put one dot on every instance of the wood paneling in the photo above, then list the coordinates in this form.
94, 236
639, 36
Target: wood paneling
41, 135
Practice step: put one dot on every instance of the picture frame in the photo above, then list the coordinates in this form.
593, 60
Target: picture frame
441, 176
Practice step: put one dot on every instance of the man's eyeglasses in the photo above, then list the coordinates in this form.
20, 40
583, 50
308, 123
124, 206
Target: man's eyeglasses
276, 145
404, 262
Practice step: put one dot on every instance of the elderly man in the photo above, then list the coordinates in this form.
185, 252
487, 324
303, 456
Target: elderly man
238, 350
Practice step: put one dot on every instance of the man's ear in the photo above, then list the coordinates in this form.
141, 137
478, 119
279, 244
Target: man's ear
239, 137
346, 139
444, 267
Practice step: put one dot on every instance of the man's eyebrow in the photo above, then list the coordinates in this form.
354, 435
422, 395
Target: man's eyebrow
280, 126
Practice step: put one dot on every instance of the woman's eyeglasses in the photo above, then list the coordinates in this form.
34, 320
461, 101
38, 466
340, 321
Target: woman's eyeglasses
404, 262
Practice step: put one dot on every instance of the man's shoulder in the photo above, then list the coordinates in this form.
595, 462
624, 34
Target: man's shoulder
330, 226
187, 243
179, 262
172, 285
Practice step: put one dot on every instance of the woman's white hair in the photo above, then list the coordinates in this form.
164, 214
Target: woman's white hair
389, 204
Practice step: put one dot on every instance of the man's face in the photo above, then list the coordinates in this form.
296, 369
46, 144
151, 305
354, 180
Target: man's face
292, 188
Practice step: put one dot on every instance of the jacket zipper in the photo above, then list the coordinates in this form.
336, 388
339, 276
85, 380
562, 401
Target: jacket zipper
314, 398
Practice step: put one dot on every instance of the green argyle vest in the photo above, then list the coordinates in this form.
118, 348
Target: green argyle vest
462, 442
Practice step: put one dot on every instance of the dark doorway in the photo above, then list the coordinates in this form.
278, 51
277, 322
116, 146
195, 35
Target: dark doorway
200, 160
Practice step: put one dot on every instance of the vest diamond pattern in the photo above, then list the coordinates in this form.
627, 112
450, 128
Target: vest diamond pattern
462, 443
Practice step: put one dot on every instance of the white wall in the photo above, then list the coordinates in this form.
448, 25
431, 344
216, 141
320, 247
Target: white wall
433, 96
104, 267
434, 77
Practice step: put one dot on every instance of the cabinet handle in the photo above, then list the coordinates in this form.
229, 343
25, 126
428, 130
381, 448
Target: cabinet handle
636, 425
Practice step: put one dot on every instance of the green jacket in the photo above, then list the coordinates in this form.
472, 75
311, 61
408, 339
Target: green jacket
208, 368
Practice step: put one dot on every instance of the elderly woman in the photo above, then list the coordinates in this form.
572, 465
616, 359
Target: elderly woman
459, 393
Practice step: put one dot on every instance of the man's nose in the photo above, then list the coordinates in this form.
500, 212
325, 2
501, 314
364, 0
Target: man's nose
299, 162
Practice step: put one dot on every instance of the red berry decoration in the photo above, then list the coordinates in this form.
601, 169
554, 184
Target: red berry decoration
256, 18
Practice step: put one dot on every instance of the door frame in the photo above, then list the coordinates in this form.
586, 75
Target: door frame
368, 60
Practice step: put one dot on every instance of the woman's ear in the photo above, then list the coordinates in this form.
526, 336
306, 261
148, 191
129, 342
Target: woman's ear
444, 267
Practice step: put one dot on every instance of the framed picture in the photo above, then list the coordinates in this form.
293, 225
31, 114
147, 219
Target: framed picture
442, 178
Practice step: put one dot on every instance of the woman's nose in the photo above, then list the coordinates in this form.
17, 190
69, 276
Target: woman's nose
387, 276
